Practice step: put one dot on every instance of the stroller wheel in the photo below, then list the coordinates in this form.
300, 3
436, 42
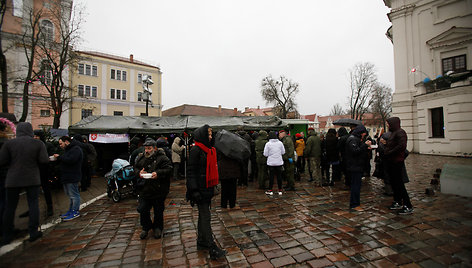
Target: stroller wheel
116, 196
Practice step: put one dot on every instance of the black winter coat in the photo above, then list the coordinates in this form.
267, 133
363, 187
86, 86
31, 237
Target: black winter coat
70, 163
228, 168
396, 144
197, 162
159, 163
356, 150
23, 155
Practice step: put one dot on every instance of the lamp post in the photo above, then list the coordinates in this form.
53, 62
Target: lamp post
147, 92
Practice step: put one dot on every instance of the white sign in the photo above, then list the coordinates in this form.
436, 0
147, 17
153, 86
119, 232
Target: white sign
109, 138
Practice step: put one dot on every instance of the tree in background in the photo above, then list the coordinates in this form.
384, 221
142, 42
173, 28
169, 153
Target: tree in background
281, 93
363, 80
3, 61
336, 110
56, 54
381, 105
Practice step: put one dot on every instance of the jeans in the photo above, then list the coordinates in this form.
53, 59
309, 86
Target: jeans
72, 191
356, 180
144, 209
275, 171
205, 234
400, 195
13, 195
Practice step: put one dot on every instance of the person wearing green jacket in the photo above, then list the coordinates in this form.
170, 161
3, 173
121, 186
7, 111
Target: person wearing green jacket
289, 162
261, 160
312, 154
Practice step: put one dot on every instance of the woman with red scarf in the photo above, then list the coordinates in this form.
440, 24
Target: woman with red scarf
201, 180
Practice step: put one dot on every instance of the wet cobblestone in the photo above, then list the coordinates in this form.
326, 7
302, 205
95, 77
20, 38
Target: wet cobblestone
310, 227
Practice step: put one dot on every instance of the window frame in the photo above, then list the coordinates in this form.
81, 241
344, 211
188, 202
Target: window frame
453, 60
112, 93
45, 113
86, 111
118, 113
112, 74
81, 88
94, 70
79, 68
47, 31
437, 123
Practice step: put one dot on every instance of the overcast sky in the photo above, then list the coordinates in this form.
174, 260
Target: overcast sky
216, 52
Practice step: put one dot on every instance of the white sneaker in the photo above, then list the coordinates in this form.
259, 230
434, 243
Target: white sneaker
269, 192
280, 192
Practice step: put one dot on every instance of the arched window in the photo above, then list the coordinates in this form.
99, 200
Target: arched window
47, 29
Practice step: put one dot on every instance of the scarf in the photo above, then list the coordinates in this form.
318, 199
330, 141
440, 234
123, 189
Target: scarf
212, 165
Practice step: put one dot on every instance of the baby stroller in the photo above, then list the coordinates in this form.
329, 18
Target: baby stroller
120, 180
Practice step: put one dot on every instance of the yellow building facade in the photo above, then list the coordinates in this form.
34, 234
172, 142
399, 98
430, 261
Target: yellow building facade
104, 84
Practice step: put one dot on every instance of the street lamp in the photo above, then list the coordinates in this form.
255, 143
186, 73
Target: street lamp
147, 92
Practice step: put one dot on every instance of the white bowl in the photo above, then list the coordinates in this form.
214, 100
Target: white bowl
146, 175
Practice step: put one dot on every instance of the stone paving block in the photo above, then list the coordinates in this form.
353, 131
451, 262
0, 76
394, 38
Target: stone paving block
430, 264
282, 261
264, 264
323, 262
320, 252
302, 257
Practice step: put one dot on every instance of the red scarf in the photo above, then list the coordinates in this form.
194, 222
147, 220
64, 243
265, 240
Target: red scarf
212, 165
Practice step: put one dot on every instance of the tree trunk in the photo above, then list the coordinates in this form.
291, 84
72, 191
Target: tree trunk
3, 66
24, 113
57, 120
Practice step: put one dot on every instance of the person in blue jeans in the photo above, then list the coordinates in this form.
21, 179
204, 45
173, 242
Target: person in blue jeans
70, 163
356, 148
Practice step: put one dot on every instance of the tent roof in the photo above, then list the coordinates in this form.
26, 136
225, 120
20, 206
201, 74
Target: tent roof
170, 124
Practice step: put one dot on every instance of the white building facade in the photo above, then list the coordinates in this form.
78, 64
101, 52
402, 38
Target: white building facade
432, 42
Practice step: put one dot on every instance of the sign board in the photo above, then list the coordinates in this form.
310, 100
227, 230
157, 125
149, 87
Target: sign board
109, 138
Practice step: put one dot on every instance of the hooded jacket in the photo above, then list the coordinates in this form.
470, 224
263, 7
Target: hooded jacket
313, 145
23, 155
396, 144
197, 162
273, 150
343, 135
177, 150
356, 150
259, 147
70, 163
158, 162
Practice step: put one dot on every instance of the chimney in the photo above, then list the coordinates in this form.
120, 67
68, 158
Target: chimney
235, 111
246, 109
131, 57
219, 109
258, 107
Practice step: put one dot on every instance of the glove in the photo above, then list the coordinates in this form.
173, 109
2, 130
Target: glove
290, 160
196, 196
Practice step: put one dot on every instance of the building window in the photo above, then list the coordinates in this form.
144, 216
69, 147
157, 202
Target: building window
118, 94
86, 113
94, 92
142, 114
140, 78
45, 113
456, 64
123, 94
88, 69
112, 74
118, 75
94, 71
47, 29
140, 96
123, 76
437, 123
80, 90
112, 93
46, 73
87, 90
118, 113
81, 68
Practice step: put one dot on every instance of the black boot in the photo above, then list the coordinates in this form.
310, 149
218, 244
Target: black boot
216, 253
50, 211
144, 234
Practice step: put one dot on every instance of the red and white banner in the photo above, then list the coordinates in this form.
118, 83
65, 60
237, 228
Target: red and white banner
109, 138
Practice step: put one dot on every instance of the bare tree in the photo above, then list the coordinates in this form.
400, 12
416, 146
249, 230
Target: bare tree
362, 81
3, 60
57, 54
381, 105
281, 93
337, 110
30, 39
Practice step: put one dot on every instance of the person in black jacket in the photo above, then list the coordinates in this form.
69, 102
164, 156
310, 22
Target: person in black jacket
152, 191
343, 135
229, 170
332, 156
84, 182
70, 165
395, 153
22, 155
356, 148
201, 180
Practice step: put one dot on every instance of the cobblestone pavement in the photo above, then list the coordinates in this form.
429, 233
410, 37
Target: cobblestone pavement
311, 227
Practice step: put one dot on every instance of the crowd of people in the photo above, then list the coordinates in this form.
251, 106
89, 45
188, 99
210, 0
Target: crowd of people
275, 156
